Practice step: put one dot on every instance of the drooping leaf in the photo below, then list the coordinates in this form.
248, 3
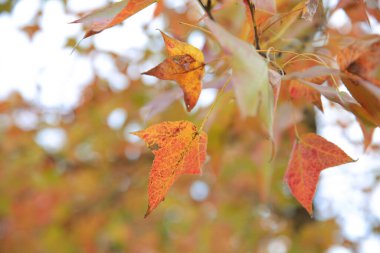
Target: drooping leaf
368, 131
250, 76
310, 155
109, 16
178, 149
366, 93
185, 65
345, 100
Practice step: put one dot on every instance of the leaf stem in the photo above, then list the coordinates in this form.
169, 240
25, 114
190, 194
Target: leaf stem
207, 8
200, 128
196, 27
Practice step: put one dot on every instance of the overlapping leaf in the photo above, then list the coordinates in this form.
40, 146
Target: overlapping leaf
310, 155
178, 149
250, 76
298, 90
114, 14
185, 65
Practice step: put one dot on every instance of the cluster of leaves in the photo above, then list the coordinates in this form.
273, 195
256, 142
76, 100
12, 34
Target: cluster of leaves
179, 147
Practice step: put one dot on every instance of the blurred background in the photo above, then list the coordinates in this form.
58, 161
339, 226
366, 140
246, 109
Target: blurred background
72, 178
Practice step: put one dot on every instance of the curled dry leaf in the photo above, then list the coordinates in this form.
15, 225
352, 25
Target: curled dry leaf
185, 65
366, 93
179, 149
109, 16
367, 65
310, 9
365, 48
310, 155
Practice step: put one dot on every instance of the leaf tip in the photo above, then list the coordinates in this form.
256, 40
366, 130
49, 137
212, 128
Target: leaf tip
138, 133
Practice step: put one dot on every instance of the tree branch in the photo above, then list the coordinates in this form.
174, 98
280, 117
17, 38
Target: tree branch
207, 8
252, 9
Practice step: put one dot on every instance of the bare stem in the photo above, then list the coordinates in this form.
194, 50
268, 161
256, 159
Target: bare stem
200, 128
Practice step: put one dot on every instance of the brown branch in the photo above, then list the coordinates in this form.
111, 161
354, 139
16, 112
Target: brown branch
252, 10
207, 8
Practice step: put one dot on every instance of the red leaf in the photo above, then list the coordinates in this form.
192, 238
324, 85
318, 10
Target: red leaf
311, 154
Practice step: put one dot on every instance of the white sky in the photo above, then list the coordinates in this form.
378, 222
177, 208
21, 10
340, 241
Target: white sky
45, 72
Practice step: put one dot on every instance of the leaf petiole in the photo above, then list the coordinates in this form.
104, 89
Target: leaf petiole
200, 128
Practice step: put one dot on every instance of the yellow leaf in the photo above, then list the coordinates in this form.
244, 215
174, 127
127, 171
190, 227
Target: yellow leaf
185, 65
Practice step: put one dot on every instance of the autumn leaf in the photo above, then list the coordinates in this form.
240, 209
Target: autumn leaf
250, 76
345, 100
178, 149
185, 65
109, 16
355, 9
310, 155
367, 65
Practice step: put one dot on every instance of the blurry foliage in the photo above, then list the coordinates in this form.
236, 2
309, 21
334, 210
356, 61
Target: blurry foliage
90, 195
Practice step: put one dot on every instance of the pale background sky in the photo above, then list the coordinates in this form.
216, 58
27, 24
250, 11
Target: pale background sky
45, 72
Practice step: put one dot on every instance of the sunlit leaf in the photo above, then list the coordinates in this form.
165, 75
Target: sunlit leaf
185, 65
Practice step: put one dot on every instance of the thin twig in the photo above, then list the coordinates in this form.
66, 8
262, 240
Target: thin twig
200, 128
207, 8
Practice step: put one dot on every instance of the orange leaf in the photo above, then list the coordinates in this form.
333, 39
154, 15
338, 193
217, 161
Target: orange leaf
114, 14
185, 65
178, 149
311, 154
